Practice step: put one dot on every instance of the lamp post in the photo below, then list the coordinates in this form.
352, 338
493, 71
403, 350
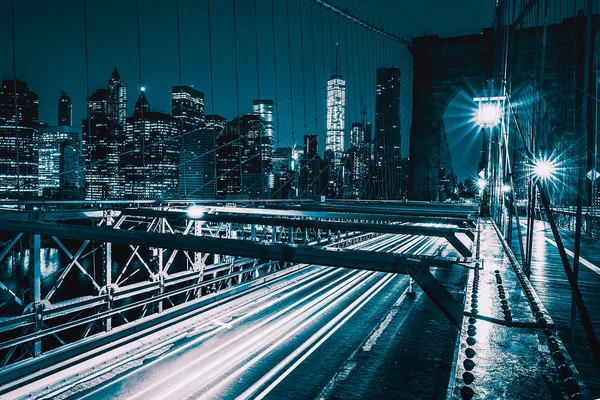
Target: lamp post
490, 113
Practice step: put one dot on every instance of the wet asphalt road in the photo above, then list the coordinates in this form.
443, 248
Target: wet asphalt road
334, 333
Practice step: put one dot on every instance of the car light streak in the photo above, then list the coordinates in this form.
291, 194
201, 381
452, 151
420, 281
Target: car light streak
306, 350
297, 320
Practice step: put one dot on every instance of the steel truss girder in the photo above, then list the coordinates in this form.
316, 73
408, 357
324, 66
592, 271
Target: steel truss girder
88, 302
357, 259
398, 209
438, 294
462, 217
117, 310
448, 232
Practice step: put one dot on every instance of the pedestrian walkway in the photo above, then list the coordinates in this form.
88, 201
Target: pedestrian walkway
550, 282
508, 347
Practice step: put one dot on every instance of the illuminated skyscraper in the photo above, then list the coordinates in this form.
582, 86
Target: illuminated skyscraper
264, 108
216, 121
18, 140
390, 179
65, 110
358, 161
117, 99
239, 159
285, 178
103, 140
334, 140
197, 165
357, 136
197, 144
228, 152
100, 145
59, 161
308, 181
151, 157
336, 116
187, 105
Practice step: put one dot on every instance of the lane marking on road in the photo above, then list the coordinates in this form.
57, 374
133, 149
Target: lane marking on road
212, 391
324, 333
582, 260
250, 391
351, 362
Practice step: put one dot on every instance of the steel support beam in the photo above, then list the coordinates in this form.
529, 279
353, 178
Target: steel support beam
37, 291
356, 259
9, 246
438, 293
108, 277
458, 245
320, 224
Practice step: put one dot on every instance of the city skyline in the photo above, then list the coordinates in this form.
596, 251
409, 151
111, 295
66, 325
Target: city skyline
330, 106
159, 67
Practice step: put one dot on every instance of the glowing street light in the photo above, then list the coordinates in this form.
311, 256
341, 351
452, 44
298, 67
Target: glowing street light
481, 183
195, 212
488, 115
489, 111
506, 188
544, 169
143, 88
490, 106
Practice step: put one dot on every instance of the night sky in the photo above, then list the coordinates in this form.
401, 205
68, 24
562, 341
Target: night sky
51, 54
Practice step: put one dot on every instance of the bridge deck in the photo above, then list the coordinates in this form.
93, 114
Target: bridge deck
494, 359
550, 281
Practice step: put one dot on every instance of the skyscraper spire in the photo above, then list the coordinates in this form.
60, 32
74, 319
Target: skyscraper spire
142, 104
115, 74
336, 116
117, 99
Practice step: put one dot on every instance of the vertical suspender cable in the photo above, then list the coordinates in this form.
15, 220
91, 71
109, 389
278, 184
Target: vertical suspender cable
303, 84
181, 132
581, 168
289, 42
237, 96
324, 69
323, 190
370, 92
379, 168
17, 138
87, 98
355, 98
311, 185
302, 62
212, 88
275, 71
314, 63
256, 46
261, 123
137, 12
